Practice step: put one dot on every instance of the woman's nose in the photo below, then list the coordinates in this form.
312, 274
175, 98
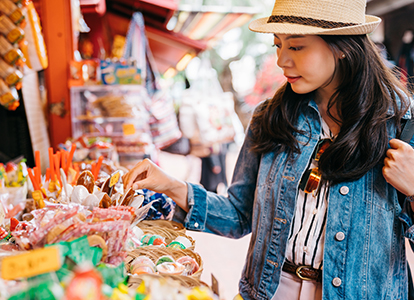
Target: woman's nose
283, 59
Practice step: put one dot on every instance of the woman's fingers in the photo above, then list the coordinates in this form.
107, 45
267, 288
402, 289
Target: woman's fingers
399, 165
137, 173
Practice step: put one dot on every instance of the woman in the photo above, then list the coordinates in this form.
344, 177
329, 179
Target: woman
317, 177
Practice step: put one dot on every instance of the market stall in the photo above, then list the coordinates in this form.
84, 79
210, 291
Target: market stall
76, 227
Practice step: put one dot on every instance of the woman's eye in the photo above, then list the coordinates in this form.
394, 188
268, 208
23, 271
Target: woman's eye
295, 48
276, 45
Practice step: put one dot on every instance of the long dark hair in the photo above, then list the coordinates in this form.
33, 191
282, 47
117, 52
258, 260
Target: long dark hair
367, 90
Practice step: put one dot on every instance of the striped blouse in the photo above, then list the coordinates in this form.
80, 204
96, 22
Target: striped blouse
307, 235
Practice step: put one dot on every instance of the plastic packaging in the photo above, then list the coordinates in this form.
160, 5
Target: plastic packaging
12, 11
191, 266
180, 242
171, 268
142, 265
10, 75
13, 33
9, 98
11, 55
153, 240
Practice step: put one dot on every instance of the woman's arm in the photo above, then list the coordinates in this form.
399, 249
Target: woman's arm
228, 216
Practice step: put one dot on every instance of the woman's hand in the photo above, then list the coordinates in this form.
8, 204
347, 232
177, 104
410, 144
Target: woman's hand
398, 167
147, 175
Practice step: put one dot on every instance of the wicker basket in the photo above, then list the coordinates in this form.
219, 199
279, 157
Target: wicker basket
162, 223
155, 252
169, 234
184, 281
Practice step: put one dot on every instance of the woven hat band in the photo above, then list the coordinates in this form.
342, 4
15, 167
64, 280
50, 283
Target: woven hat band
308, 22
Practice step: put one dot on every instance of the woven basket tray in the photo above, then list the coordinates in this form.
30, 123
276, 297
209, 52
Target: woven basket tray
155, 252
162, 223
185, 281
167, 233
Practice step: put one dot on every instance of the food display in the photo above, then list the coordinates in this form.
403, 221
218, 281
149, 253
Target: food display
21, 44
78, 227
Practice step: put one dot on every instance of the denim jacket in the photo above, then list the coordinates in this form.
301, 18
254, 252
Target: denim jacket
364, 253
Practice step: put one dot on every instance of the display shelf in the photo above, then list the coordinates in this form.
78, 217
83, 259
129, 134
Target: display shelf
116, 111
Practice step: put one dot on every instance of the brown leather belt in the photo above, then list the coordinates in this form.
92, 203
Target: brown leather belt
303, 272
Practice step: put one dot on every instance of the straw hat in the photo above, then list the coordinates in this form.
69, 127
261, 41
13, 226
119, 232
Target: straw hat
330, 17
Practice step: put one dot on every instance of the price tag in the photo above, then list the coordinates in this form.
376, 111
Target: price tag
114, 179
30, 264
128, 129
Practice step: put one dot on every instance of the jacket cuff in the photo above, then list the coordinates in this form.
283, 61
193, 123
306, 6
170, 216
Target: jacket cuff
196, 217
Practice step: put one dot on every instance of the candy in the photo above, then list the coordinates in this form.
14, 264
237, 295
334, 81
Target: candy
170, 268
142, 265
163, 259
191, 266
155, 240
180, 242
86, 179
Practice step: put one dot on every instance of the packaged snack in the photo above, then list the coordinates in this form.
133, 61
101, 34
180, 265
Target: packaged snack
142, 265
120, 72
153, 240
180, 242
11, 10
163, 259
170, 268
191, 266
13, 56
10, 75
9, 98
13, 33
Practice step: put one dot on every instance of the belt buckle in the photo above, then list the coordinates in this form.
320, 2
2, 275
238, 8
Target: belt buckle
298, 273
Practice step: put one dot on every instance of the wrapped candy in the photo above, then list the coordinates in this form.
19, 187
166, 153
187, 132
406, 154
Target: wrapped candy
142, 265
153, 239
163, 259
13, 33
13, 56
171, 268
181, 242
11, 76
11, 10
191, 266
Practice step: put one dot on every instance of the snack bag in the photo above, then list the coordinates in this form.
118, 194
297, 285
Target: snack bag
10, 75
13, 56
13, 33
11, 10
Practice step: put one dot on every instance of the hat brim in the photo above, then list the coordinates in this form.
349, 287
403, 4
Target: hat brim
261, 25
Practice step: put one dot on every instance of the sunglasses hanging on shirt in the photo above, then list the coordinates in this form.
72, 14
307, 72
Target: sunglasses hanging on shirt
310, 180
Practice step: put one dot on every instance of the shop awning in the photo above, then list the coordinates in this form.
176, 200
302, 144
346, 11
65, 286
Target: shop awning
177, 33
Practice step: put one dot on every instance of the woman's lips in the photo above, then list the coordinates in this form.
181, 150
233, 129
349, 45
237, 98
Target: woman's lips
293, 79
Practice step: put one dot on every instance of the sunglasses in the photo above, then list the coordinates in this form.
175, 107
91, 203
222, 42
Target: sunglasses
311, 178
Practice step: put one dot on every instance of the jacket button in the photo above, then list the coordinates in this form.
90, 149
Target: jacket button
336, 282
339, 236
196, 225
344, 190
